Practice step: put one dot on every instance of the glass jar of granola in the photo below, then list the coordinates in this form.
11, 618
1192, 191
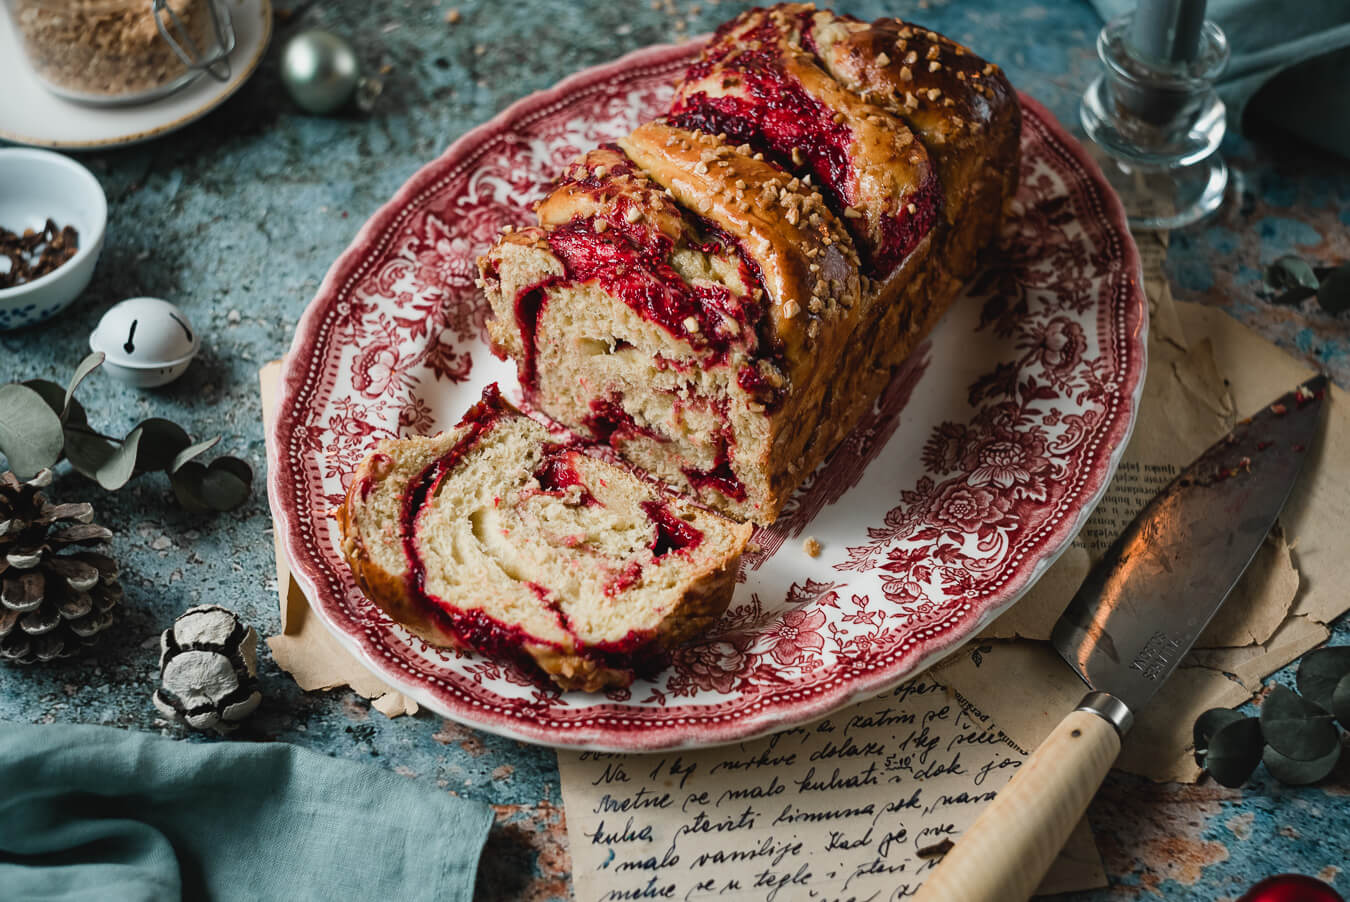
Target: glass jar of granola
122, 51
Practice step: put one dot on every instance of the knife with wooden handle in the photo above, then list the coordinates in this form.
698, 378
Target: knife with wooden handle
1133, 620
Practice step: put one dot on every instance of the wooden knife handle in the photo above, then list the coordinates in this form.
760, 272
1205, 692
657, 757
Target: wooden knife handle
1004, 855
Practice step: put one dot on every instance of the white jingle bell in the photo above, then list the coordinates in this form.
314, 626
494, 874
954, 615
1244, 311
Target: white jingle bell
208, 666
145, 341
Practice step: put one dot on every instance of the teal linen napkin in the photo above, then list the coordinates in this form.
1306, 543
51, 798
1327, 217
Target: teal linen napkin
96, 813
1290, 65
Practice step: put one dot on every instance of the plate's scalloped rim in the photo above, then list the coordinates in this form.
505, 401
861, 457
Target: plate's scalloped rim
717, 729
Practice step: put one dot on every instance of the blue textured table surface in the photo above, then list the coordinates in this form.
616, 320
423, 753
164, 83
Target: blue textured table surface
237, 218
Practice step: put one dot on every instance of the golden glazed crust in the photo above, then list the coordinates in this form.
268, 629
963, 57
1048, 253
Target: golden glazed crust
885, 168
960, 106
801, 250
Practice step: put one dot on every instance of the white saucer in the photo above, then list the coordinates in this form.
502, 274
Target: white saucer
30, 114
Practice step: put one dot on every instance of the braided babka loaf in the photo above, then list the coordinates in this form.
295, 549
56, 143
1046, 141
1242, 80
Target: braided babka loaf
722, 294
496, 537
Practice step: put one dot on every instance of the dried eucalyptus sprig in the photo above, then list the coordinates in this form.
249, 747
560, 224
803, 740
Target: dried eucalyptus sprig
41, 422
1295, 736
1294, 280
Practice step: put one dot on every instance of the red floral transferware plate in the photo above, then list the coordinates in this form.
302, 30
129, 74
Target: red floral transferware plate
964, 482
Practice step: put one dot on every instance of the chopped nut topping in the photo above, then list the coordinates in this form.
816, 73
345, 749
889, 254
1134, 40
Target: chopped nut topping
797, 158
690, 324
883, 59
932, 53
791, 309
911, 209
906, 74
632, 214
852, 213
911, 58
934, 93
934, 66
811, 546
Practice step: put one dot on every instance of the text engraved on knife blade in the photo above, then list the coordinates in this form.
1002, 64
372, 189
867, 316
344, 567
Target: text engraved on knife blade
1155, 659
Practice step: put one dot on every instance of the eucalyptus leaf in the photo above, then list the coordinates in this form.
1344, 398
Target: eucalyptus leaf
161, 442
86, 366
86, 450
118, 469
1234, 751
1209, 723
55, 396
190, 452
1288, 272
1295, 727
1334, 292
52, 394
1294, 772
222, 487
187, 486
1320, 671
1340, 701
30, 431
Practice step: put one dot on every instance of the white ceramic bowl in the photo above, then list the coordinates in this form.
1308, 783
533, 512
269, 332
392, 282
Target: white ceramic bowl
36, 185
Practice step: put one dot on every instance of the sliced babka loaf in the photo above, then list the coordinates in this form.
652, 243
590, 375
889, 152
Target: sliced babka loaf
494, 536
723, 293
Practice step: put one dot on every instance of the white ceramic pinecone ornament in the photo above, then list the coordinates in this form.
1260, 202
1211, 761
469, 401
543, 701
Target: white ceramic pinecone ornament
208, 669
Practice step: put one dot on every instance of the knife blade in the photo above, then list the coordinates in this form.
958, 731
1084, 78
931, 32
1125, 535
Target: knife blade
1135, 617
1145, 603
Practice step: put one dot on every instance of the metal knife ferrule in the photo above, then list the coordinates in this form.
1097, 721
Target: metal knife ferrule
1110, 709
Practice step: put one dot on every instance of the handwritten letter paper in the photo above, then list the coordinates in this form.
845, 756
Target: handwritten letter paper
857, 806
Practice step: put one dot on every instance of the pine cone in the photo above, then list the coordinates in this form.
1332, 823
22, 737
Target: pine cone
51, 604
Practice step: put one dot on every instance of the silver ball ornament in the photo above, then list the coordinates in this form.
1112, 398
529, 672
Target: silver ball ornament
322, 73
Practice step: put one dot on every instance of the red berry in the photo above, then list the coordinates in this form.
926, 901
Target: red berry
1291, 888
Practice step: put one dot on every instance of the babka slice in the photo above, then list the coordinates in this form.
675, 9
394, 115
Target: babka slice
495, 536
675, 336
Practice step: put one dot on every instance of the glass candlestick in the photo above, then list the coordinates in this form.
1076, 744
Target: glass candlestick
1154, 116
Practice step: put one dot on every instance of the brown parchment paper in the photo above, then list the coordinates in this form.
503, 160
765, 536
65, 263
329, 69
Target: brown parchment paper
857, 805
